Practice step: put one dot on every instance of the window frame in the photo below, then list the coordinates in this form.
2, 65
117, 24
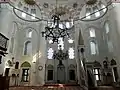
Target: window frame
25, 47
99, 74
96, 48
52, 52
27, 75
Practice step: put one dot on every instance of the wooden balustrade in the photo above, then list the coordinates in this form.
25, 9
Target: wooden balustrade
4, 83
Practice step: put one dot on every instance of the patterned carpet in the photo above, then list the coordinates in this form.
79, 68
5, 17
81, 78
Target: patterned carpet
47, 88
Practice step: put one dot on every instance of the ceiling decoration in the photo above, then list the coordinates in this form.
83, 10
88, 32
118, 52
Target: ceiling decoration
57, 29
91, 2
30, 2
67, 9
60, 56
94, 9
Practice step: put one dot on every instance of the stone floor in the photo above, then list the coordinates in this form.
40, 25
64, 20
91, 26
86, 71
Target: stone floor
46, 88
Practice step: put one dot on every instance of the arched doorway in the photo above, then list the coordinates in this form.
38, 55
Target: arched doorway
60, 74
25, 75
50, 73
72, 72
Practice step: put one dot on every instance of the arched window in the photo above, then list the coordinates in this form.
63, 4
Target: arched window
50, 53
60, 42
29, 34
88, 12
28, 48
50, 72
23, 15
107, 29
11, 45
71, 72
97, 73
70, 40
110, 46
71, 53
93, 48
96, 10
92, 32
25, 71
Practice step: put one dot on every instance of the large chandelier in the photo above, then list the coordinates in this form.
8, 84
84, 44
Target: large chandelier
57, 28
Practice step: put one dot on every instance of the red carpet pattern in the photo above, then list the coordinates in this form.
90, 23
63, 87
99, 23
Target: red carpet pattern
46, 88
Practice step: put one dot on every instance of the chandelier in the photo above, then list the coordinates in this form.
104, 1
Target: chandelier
57, 28
60, 55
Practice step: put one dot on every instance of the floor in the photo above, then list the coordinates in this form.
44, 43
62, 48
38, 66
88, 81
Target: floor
47, 88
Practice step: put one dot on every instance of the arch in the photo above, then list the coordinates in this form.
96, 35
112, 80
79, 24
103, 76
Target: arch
25, 64
50, 53
91, 26
113, 62
12, 41
50, 72
71, 72
71, 53
92, 32
29, 33
93, 47
50, 66
107, 26
27, 48
31, 28
71, 66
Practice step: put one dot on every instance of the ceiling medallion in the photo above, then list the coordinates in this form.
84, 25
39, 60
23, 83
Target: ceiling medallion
30, 2
91, 2
60, 11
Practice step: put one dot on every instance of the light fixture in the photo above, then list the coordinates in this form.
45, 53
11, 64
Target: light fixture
60, 55
57, 28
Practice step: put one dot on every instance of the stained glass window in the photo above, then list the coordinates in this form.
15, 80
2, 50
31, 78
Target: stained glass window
60, 43
50, 53
71, 53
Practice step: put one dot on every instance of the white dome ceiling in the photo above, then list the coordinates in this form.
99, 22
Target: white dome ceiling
68, 9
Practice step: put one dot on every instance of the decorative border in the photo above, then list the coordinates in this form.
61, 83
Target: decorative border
40, 68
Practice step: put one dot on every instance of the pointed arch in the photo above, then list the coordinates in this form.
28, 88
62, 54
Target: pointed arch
29, 33
92, 32
25, 64
93, 48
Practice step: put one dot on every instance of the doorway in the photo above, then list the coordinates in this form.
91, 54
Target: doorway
50, 75
61, 74
72, 75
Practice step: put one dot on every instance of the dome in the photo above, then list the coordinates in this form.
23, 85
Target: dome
93, 10
26, 10
37, 10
